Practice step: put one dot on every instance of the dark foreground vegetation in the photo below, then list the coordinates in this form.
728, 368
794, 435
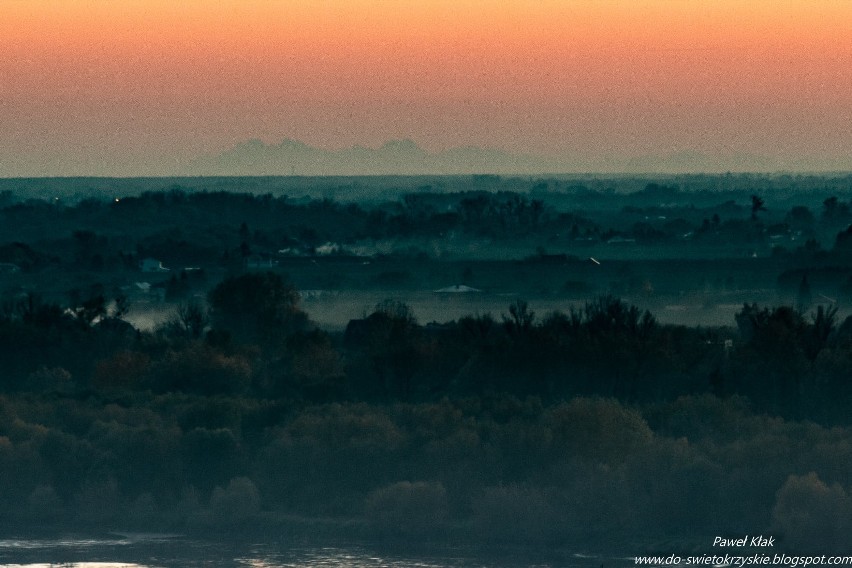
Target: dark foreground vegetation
238, 414
595, 425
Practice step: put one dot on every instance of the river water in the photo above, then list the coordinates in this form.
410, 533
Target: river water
164, 551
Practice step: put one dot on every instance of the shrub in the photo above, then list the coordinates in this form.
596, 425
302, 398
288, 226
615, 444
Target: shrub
408, 508
813, 515
239, 501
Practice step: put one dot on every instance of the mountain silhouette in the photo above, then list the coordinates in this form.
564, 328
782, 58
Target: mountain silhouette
395, 157
405, 157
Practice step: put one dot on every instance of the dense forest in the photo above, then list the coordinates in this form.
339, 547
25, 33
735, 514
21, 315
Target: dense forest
596, 423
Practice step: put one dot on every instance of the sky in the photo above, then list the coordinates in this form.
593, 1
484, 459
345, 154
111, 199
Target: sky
142, 87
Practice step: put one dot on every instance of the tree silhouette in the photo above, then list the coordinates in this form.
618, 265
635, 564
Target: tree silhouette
804, 297
190, 320
390, 342
520, 320
259, 307
757, 205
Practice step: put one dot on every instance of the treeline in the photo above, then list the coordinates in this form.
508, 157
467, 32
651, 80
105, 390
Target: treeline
251, 338
211, 228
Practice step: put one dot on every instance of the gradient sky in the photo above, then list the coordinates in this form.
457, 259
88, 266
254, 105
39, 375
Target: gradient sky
129, 87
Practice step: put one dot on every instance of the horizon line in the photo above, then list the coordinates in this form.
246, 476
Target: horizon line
767, 173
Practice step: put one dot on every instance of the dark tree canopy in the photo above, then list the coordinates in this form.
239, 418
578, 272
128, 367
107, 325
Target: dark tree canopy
257, 306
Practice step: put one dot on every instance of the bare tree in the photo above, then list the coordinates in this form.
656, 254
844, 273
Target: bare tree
757, 205
192, 318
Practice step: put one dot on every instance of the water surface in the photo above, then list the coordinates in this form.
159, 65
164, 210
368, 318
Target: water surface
172, 551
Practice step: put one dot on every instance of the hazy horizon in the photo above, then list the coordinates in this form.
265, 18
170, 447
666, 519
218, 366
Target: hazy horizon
405, 157
96, 88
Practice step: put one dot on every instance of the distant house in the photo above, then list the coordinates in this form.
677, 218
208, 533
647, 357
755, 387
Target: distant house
152, 265
457, 289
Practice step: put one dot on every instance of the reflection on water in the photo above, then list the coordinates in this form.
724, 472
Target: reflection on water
80, 565
159, 551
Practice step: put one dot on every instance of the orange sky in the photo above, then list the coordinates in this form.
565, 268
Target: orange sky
141, 86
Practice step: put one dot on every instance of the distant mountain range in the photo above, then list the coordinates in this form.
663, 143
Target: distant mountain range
405, 157
291, 157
